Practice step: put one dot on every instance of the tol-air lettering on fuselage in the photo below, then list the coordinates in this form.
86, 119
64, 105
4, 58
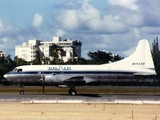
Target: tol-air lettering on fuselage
59, 68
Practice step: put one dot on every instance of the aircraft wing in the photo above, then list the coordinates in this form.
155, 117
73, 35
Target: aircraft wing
73, 80
70, 79
79, 80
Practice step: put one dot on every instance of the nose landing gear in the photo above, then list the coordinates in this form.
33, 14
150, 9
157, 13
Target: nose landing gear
21, 92
72, 91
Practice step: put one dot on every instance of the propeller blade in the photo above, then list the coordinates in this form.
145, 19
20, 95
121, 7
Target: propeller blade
43, 82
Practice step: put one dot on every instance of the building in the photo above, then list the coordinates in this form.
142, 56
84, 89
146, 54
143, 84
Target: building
33, 48
27, 50
2, 54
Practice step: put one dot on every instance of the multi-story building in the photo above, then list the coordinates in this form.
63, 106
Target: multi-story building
27, 50
33, 48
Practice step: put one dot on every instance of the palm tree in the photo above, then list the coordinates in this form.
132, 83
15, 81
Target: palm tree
56, 53
45, 60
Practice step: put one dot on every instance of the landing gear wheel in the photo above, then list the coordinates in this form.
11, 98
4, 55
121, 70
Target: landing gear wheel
21, 92
72, 92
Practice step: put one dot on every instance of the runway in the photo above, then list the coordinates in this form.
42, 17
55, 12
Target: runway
84, 97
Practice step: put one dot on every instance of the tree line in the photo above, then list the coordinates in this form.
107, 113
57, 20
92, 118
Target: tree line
156, 56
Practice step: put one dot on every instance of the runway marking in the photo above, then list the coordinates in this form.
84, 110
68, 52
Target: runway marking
87, 102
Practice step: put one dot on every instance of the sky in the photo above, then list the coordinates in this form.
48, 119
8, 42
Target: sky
112, 25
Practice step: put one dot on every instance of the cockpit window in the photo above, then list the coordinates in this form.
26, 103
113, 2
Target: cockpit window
17, 70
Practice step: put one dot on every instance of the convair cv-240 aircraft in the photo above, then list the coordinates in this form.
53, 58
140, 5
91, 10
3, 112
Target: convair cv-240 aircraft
138, 65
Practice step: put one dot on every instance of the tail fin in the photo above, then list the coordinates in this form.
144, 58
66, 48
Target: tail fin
141, 58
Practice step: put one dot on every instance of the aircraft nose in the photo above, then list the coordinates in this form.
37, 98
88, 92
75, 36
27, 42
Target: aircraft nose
5, 76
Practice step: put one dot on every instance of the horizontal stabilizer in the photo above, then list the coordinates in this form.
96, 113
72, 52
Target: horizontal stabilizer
143, 74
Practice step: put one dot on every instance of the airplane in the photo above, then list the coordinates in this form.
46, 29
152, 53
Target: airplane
136, 66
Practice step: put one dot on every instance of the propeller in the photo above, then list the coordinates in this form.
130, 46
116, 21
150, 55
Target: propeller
43, 81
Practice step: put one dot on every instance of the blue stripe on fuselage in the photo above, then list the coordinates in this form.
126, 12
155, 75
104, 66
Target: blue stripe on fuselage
72, 72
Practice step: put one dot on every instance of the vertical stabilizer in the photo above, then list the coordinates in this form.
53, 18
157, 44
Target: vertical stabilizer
141, 58
143, 55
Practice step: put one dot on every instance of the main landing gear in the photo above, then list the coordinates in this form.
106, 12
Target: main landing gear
72, 91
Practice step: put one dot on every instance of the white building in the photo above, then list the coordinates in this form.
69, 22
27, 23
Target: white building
29, 50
